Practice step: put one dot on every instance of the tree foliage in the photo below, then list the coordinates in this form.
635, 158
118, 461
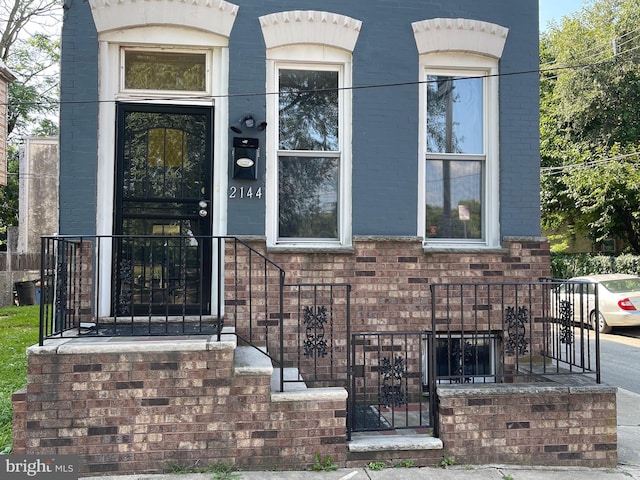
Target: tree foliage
33, 97
590, 122
30, 47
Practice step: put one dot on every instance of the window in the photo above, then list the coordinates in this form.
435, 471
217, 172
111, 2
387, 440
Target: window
455, 160
459, 147
159, 70
468, 358
308, 152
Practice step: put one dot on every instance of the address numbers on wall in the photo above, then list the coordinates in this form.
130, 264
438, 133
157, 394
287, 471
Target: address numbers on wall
241, 193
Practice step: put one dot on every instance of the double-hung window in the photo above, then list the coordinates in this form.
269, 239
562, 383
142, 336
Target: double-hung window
308, 150
459, 142
309, 153
455, 158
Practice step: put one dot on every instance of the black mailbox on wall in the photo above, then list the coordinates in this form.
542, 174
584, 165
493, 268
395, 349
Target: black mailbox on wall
245, 158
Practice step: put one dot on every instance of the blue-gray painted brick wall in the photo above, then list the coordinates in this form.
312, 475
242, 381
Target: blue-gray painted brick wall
78, 120
385, 120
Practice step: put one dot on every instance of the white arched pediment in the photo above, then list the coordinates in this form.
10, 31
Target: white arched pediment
459, 35
214, 16
310, 27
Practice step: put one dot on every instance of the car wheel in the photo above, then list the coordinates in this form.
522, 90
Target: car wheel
602, 323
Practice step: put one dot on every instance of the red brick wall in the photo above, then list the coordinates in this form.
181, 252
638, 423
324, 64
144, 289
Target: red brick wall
529, 425
144, 410
390, 276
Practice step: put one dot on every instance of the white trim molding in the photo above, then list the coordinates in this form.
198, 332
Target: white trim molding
310, 27
462, 47
461, 35
309, 40
212, 16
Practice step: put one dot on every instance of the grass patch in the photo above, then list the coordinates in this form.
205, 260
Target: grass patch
19, 327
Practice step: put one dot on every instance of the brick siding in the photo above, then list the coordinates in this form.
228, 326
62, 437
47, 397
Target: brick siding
144, 409
530, 425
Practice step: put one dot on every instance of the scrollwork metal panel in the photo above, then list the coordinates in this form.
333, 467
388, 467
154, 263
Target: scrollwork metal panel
393, 373
315, 343
516, 343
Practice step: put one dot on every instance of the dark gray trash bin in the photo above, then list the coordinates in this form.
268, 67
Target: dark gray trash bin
26, 293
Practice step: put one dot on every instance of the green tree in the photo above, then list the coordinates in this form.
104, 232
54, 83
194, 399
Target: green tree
33, 97
590, 122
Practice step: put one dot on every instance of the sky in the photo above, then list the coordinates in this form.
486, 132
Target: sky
556, 9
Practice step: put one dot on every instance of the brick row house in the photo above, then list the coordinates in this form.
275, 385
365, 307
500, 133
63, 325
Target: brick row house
363, 154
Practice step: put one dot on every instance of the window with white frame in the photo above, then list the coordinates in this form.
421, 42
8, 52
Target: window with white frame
459, 145
455, 158
308, 152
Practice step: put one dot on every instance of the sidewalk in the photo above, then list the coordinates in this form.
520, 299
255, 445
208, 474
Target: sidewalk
451, 473
628, 463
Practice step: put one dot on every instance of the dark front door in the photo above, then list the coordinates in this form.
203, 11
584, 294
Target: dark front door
162, 216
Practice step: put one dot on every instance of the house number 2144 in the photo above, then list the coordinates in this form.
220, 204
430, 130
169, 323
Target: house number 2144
242, 192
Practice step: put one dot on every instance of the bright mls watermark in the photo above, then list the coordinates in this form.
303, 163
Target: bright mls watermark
48, 467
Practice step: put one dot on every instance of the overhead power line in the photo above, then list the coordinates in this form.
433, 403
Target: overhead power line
560, 169
538, 71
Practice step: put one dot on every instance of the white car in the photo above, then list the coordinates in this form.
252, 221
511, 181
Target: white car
618, 300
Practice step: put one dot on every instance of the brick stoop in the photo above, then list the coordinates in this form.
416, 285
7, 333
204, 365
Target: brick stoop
143, 404
388, 446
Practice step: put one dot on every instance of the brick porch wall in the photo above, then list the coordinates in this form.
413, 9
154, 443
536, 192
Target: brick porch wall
131, 409
132, 412
548, 424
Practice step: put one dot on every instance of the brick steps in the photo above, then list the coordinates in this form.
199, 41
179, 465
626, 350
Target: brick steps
251, 361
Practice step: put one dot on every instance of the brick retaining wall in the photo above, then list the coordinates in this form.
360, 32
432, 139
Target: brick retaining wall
541, 424
132, 407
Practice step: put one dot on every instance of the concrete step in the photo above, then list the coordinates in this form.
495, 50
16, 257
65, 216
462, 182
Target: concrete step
253, 361
382, 443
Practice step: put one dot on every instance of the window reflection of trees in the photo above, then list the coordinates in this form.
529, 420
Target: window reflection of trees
308, 185
308, 110
308, 197
454, 126
441, 135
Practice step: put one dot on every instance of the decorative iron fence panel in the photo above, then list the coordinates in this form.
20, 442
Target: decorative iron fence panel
479, 333
316, 332
387, 382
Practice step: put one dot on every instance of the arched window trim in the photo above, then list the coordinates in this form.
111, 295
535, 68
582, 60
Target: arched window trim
454, 47
314, 41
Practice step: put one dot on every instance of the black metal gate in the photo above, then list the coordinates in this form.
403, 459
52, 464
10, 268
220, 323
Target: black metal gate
388, 384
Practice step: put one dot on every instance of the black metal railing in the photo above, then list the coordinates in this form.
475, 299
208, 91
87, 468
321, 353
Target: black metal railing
173, 285
514, 331
479, 333
320, 316
153, 285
